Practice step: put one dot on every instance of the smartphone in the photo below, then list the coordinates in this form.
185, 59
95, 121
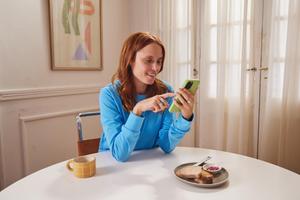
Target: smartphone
189, 84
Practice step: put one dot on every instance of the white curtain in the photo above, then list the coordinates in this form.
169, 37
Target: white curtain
175, 29
226, 91
172, 21
222, 31
221, 39
280, 133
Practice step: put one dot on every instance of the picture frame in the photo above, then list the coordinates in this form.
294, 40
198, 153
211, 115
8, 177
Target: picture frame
75, 34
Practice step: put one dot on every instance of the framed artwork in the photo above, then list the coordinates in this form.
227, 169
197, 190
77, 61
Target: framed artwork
76, 34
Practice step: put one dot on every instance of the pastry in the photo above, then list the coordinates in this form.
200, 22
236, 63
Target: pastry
205, 177
189, 172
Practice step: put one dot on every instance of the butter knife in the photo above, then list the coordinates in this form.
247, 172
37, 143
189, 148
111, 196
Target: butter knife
202, 161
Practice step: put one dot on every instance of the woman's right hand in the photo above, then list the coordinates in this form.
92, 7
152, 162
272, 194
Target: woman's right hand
157, 103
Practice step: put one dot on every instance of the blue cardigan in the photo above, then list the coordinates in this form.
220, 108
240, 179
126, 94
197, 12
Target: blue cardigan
124, 132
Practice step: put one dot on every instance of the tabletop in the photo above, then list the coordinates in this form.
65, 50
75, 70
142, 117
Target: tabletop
149, 174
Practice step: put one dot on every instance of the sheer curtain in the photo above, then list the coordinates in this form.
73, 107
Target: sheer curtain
280, 129
172, 21
226, 29
222, 39
222, 30
175, 29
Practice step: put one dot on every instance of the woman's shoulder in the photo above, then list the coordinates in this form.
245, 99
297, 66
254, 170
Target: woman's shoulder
111, 88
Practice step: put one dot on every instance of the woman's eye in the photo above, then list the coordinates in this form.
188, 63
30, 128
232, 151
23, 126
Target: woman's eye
149, 61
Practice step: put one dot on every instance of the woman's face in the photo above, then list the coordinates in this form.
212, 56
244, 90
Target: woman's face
148, 62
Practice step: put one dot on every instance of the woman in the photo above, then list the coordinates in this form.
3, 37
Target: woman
134, 112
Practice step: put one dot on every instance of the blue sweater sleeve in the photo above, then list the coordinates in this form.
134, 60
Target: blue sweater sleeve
173, 130
121, 136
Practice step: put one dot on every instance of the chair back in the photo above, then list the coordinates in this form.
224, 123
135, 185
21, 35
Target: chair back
86, 146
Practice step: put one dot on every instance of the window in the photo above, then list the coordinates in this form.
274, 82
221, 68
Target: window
183, 31
227, 30
279, 38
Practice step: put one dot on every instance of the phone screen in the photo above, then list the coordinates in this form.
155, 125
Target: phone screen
188, 85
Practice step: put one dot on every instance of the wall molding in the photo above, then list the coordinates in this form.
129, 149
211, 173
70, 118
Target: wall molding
23, 130
32, 93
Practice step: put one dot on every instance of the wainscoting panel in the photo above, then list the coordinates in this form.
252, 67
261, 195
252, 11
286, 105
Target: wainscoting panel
50, 138
38, 127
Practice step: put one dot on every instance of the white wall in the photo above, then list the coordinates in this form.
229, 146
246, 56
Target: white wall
38, 105
25, 49
140, 18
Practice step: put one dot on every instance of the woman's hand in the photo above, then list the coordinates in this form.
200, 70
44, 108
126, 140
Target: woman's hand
186, 102
156, 103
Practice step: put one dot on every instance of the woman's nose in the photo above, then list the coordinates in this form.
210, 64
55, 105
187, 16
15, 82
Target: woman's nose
156, 67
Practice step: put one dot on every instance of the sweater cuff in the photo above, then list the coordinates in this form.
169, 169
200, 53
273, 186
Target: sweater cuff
189, 119
134, 122
185, 124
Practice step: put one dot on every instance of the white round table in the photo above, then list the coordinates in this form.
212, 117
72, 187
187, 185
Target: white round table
149, 175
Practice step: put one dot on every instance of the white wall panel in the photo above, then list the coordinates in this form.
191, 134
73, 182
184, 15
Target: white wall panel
40, 131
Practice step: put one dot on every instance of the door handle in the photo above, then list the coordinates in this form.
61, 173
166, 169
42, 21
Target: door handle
263, 68
251, 69
257, 68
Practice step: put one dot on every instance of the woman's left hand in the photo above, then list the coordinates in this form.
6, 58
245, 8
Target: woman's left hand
186, 102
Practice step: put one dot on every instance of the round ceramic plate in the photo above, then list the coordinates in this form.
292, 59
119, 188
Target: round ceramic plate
218, 179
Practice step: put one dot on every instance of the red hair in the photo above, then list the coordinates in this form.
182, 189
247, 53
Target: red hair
127, 90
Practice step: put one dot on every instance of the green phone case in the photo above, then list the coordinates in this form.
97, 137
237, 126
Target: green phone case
192, 86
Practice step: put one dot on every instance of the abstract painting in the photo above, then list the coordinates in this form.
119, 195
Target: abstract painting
76, 34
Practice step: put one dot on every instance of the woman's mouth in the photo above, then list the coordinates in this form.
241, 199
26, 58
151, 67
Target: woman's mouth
152, 75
